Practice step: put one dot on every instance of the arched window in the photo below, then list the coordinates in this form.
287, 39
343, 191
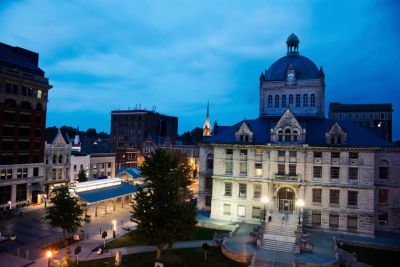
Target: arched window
284, 101
270, 101
60, 159
290, 100
383, 169
295, 136
312, 101
280, 136
277, 101
305, 100
297, 101
210, 161
288, 134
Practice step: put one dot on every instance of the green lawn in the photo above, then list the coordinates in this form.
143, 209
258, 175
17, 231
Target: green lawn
192, 257
131, 238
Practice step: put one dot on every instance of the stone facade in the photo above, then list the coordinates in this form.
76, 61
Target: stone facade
102, 165
346, 176
57, 162
79, 161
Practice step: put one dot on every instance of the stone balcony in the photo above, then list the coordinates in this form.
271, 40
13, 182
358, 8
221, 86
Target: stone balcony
278, 177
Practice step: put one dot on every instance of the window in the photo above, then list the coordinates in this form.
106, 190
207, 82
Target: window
288, 134
258, 163
383, 196
305, 100
316, 195
22, 173
108, 165
5, 194
241, 211
243, 162
6, 174
351, 223
293, 154
383, 217
257, 191
21, 192
312, 101
335, 155
353, 155
227, 209
35, 172
333, 220
297, 101
335, 171
292, 169
281, 153
210, 161
353, 175
317, 154
270, 101
316, 218
277, 101
60, 159
352, 198
74, 167
283, 101
334, 197
228, 161
281, 169
290, 100
228, 189
242, 190
317, 170
208, 182
383, 169
256, 213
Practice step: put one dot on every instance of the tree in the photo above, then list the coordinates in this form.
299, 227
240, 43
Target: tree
66, 213
82, 176
91, 132
161, 215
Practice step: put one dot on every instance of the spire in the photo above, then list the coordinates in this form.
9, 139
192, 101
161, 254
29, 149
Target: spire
292, 43
207, 126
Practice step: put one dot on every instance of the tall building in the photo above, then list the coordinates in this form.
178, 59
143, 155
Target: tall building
130, 128
378, 116
23, 104
345, 175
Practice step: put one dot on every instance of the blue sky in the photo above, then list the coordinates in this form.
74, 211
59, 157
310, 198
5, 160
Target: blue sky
177, 55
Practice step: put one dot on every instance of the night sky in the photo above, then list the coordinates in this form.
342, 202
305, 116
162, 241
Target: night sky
177, 55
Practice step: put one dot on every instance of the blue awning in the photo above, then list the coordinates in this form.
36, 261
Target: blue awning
107, 193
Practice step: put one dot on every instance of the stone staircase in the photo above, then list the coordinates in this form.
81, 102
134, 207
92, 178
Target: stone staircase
280, 234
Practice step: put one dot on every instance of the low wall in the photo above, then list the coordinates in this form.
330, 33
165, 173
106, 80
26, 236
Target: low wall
216, 226
236, 256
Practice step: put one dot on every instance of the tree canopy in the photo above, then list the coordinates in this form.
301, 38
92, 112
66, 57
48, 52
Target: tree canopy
82, 176
161, 215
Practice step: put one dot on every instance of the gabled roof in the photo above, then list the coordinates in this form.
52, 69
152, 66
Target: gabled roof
51, 137
316, 128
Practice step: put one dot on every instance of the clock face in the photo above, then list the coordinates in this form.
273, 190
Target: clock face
290, 76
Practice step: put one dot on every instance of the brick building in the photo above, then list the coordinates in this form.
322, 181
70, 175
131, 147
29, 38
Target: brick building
23, 104
130, 128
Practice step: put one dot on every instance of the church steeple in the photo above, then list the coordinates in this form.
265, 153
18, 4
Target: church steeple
207, 126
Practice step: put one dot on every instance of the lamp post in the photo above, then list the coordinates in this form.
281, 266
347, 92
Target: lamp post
265, 200
49, 255
114, 226
300, 204
45, 200
9, 203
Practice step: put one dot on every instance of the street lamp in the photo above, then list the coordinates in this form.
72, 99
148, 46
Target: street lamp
45, 200
114, 225
9, 203
300, 204
49, 255
265, 200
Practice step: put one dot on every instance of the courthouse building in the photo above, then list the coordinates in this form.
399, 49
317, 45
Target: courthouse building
347, 175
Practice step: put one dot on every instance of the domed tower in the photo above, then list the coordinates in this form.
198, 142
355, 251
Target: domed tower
294, 82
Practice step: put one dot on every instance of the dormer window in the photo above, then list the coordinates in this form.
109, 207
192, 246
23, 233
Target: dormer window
336, 135
244, 133
288, 130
